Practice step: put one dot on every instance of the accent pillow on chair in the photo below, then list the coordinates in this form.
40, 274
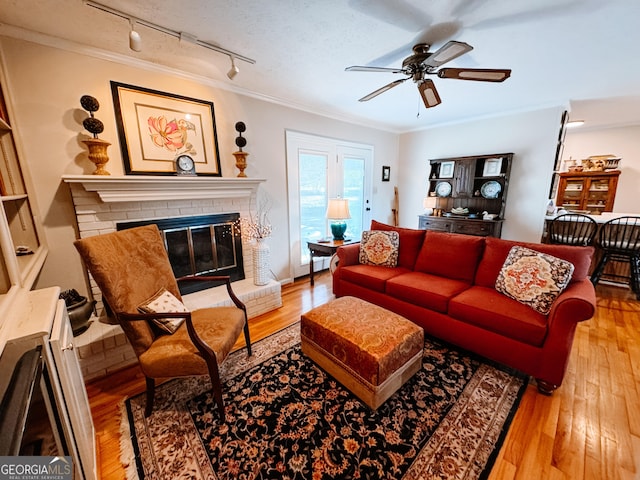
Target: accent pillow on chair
533, 278
164, 302
379, 248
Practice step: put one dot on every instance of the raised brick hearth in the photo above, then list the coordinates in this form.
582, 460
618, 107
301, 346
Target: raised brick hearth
101, 202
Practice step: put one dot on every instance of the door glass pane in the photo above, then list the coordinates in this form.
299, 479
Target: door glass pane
313, 199
353, 169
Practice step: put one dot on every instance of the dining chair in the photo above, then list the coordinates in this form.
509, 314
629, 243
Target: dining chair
619, 240
572, 229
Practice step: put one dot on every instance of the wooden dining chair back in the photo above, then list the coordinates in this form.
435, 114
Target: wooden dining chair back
619, 240
132, 269
572, 229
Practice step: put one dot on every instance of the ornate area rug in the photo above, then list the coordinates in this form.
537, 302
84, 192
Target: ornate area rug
287, 419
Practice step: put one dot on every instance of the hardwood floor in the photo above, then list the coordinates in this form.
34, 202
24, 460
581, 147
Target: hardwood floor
588, 429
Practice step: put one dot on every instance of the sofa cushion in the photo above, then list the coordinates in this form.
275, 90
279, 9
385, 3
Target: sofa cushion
450, 255
490, 310
410, 242
425, 290
496, 251
164, 302
379, 248
372, 277
533, 278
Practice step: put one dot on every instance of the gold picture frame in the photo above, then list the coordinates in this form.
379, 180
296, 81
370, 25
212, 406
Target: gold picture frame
157, 127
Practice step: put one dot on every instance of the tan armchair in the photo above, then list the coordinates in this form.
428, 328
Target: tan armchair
131, 267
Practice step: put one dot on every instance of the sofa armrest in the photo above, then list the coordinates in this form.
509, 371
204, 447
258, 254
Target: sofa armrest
348, 255
577, 303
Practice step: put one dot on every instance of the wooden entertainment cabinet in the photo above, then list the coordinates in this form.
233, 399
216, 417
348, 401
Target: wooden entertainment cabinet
478, 183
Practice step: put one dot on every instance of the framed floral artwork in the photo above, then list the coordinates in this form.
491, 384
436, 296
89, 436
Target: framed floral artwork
155, 128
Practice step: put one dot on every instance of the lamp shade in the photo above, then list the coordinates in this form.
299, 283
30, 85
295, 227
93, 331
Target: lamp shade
429, 203
338, 209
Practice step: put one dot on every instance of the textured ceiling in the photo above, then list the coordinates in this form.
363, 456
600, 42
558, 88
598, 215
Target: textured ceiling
561, 51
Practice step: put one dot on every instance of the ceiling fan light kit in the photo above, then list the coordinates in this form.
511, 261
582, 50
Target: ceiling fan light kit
429, 93
423, 63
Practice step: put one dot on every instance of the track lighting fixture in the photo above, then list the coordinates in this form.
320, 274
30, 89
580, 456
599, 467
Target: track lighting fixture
135, 42
234, 69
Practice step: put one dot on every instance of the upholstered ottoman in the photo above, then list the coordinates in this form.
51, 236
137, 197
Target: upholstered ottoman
367, 348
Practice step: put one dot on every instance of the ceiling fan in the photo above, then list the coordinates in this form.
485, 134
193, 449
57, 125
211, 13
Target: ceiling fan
423, 63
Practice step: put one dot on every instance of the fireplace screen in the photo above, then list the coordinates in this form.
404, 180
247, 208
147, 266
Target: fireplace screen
203, 245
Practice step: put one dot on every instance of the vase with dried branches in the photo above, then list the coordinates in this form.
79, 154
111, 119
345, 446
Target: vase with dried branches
258, 228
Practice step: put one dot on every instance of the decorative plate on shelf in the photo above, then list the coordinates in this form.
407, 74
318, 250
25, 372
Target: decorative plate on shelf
443, 189
490, 189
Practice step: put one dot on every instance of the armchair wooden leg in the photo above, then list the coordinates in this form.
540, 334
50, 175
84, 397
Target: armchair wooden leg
216, 386
247, 337
151, 391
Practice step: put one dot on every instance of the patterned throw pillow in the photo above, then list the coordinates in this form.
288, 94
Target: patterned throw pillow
533, 278
164, 302
379, 247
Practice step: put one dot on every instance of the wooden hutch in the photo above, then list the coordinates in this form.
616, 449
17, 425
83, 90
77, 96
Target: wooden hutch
478, 183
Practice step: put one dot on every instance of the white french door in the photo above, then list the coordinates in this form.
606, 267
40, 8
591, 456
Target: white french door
320, 168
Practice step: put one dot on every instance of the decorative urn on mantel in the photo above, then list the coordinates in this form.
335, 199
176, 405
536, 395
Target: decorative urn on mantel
98, 154
97, 147
241, 157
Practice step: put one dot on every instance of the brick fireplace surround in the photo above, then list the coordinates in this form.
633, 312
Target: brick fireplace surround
101, 202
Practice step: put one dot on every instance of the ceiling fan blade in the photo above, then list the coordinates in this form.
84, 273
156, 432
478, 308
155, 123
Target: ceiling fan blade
429, 93
447, 52
358, 68
377, 92
478, 74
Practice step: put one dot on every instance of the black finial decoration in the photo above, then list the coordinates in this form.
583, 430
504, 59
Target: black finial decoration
240, 140
92, 124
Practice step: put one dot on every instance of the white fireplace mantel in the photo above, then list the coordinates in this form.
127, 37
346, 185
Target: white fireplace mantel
131, 188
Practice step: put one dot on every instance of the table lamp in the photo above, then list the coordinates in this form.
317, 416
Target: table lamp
338, 212
429, 203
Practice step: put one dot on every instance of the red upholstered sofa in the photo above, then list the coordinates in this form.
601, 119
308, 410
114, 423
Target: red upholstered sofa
445, 283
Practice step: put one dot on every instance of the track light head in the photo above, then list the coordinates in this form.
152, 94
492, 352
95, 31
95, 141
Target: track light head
135, 41
233, 71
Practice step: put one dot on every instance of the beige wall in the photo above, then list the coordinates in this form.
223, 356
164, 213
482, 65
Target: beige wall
46, 84
622, 142
531, 136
